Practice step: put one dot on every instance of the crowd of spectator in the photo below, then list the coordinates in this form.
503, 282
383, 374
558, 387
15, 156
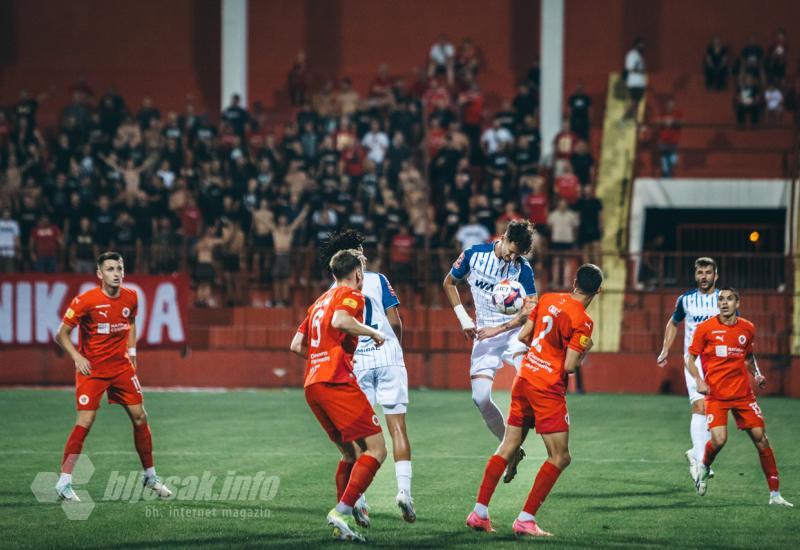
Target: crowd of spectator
762, 89
413, 163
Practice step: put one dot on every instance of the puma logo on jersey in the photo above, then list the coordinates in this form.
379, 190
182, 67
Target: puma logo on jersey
720, 338
103, 313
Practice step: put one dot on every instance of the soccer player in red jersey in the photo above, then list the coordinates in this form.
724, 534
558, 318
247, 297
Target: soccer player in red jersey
328, 338
105, 361
724, 344
558, 332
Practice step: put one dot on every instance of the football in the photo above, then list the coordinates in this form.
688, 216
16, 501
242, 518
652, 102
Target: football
508, 297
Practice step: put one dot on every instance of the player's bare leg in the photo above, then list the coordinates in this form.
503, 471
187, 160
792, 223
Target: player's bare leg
401, 449
143, 440
373, 453
72, 451
558, 458
719, 436
698, 430
768, 465
478, 519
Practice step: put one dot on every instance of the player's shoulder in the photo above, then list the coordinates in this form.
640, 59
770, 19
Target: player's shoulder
480, 248
688, 293
91, 296
128, 293
747, 324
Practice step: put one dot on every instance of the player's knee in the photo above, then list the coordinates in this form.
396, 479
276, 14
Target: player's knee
481, 399
139, 419
563, 460
761, 441
719, 440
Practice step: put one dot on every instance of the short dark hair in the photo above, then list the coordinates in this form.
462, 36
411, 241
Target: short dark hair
589, 278
520, 232
344, 263
730, 289
349, 239
705, 261
110, 255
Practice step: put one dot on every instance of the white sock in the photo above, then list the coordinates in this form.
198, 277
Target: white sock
481, 510
698, 428
150, 472
402, 469
773, 494
482, 397
343, 508
64, 478
525, 516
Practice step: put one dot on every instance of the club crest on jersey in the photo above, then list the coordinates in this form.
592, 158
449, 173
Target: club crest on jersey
125, 312
742, 339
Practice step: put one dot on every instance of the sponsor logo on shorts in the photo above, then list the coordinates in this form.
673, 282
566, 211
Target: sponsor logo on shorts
375, 420
710, 418
125, 312
742, 339
83, 399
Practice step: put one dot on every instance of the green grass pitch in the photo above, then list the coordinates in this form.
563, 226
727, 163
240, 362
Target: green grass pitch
627, 486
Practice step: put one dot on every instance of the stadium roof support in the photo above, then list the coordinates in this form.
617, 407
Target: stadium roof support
234, 51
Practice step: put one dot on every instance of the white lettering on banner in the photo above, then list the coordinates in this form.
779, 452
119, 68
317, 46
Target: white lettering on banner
165, 314
24, 321
31, 310
48, 309
6, 313
141, 313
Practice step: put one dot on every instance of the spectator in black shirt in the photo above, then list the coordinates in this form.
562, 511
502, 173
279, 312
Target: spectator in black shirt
579, 111
751, 59
235, 116
147, 113
104, 222
524, 103
715, 65
748, 101
582, 163
590, 230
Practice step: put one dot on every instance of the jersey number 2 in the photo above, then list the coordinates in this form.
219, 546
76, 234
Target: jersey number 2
548, 326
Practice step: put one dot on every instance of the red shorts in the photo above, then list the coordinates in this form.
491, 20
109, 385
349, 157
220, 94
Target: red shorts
122, 386
545, 411
343, 410
745, 411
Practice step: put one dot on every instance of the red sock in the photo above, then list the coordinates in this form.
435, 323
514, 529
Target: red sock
363, 471
144, 444
73, 448
770, 468
342, 477
710, 454
495, 467
545, 479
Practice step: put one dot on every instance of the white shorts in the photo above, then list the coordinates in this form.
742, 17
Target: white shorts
691, 383
489, 356
385, 386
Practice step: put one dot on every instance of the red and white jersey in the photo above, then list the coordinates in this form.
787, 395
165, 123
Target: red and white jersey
560, 322
330, 351
104, 324
722, 350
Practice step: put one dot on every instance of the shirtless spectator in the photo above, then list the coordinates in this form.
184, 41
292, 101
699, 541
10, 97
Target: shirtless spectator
282, 237
347, 98
233, 241
262, 240
205, 274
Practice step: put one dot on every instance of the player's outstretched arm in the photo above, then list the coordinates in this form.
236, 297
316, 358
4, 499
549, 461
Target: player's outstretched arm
62, 338
702, 387
347, 323
669, 337
515, 322
298, 345
752, 366
451, 291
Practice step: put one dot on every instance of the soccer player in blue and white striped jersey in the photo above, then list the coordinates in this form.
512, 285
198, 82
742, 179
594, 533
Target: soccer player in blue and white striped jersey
692, 308
483, 266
